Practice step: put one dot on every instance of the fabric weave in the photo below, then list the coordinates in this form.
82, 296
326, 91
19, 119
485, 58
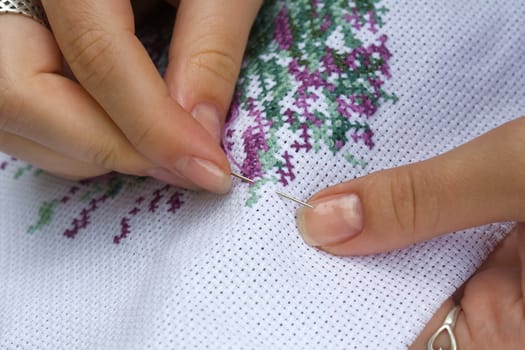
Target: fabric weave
130, 263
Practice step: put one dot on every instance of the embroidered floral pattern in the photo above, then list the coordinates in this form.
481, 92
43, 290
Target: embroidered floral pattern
295, 55
95, 194
319, 68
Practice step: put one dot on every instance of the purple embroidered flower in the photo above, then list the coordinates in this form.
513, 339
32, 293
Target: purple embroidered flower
372, 22
326, 23
307, 88
253, 144
285, 171
329, 63
354, 19
282, 33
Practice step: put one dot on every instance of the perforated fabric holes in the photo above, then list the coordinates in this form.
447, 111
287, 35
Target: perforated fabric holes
155, 267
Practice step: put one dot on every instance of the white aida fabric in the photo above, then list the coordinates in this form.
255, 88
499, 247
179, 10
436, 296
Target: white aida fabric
329, 91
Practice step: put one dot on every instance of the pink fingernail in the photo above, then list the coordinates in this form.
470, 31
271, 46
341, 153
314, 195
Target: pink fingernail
209, 118
204, 174
333, 220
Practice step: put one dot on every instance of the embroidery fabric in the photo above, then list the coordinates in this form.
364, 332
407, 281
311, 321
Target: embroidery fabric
122, 262
326, 92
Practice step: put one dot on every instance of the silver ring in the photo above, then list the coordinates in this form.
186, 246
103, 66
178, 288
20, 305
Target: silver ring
447, 327
29, 8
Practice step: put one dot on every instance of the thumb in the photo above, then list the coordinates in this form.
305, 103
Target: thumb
206, 54
477, 183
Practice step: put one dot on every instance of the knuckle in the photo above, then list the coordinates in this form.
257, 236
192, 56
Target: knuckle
402, 194
142, 136
492, 292
413, 199
115, 154
216, 62
89, 55
105, 156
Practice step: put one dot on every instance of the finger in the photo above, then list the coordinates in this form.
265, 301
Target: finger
493, 303
205, 56
54, 111
505, 255
46, 159
70, 136
70, 122
477, 183
38, 104
437, 320
97, 40
491, 312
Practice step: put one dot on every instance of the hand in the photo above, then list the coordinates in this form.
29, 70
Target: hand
122, 115
492, 301
477, 183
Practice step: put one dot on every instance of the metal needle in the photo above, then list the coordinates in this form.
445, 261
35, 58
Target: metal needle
246, 179
294, 199
243, 178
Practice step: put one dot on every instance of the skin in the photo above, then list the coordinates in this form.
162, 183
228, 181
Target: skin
119, 115
477, 183
493, 303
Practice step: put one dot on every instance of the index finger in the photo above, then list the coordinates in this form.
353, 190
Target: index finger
97, 39
474, 184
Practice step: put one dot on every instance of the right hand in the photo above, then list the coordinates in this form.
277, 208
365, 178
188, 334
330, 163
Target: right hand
120, 116
492, 302
476, 183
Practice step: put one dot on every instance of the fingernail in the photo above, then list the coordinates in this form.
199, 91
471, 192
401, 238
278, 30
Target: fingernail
169, 177
209, 117
332, 220
205, 174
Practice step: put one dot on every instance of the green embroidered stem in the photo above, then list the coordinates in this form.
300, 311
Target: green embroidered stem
254, 190
355, 161
22, 170
313, 76
45, 215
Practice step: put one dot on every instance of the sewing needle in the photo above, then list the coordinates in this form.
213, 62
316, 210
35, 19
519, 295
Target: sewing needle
243, 178
246, 179
294, 199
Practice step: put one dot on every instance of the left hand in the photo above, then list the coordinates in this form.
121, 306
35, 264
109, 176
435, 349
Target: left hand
119, 115
206, 53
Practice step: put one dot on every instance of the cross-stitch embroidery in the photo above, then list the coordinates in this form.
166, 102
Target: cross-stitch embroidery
319, 70
298, 71
94, 194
